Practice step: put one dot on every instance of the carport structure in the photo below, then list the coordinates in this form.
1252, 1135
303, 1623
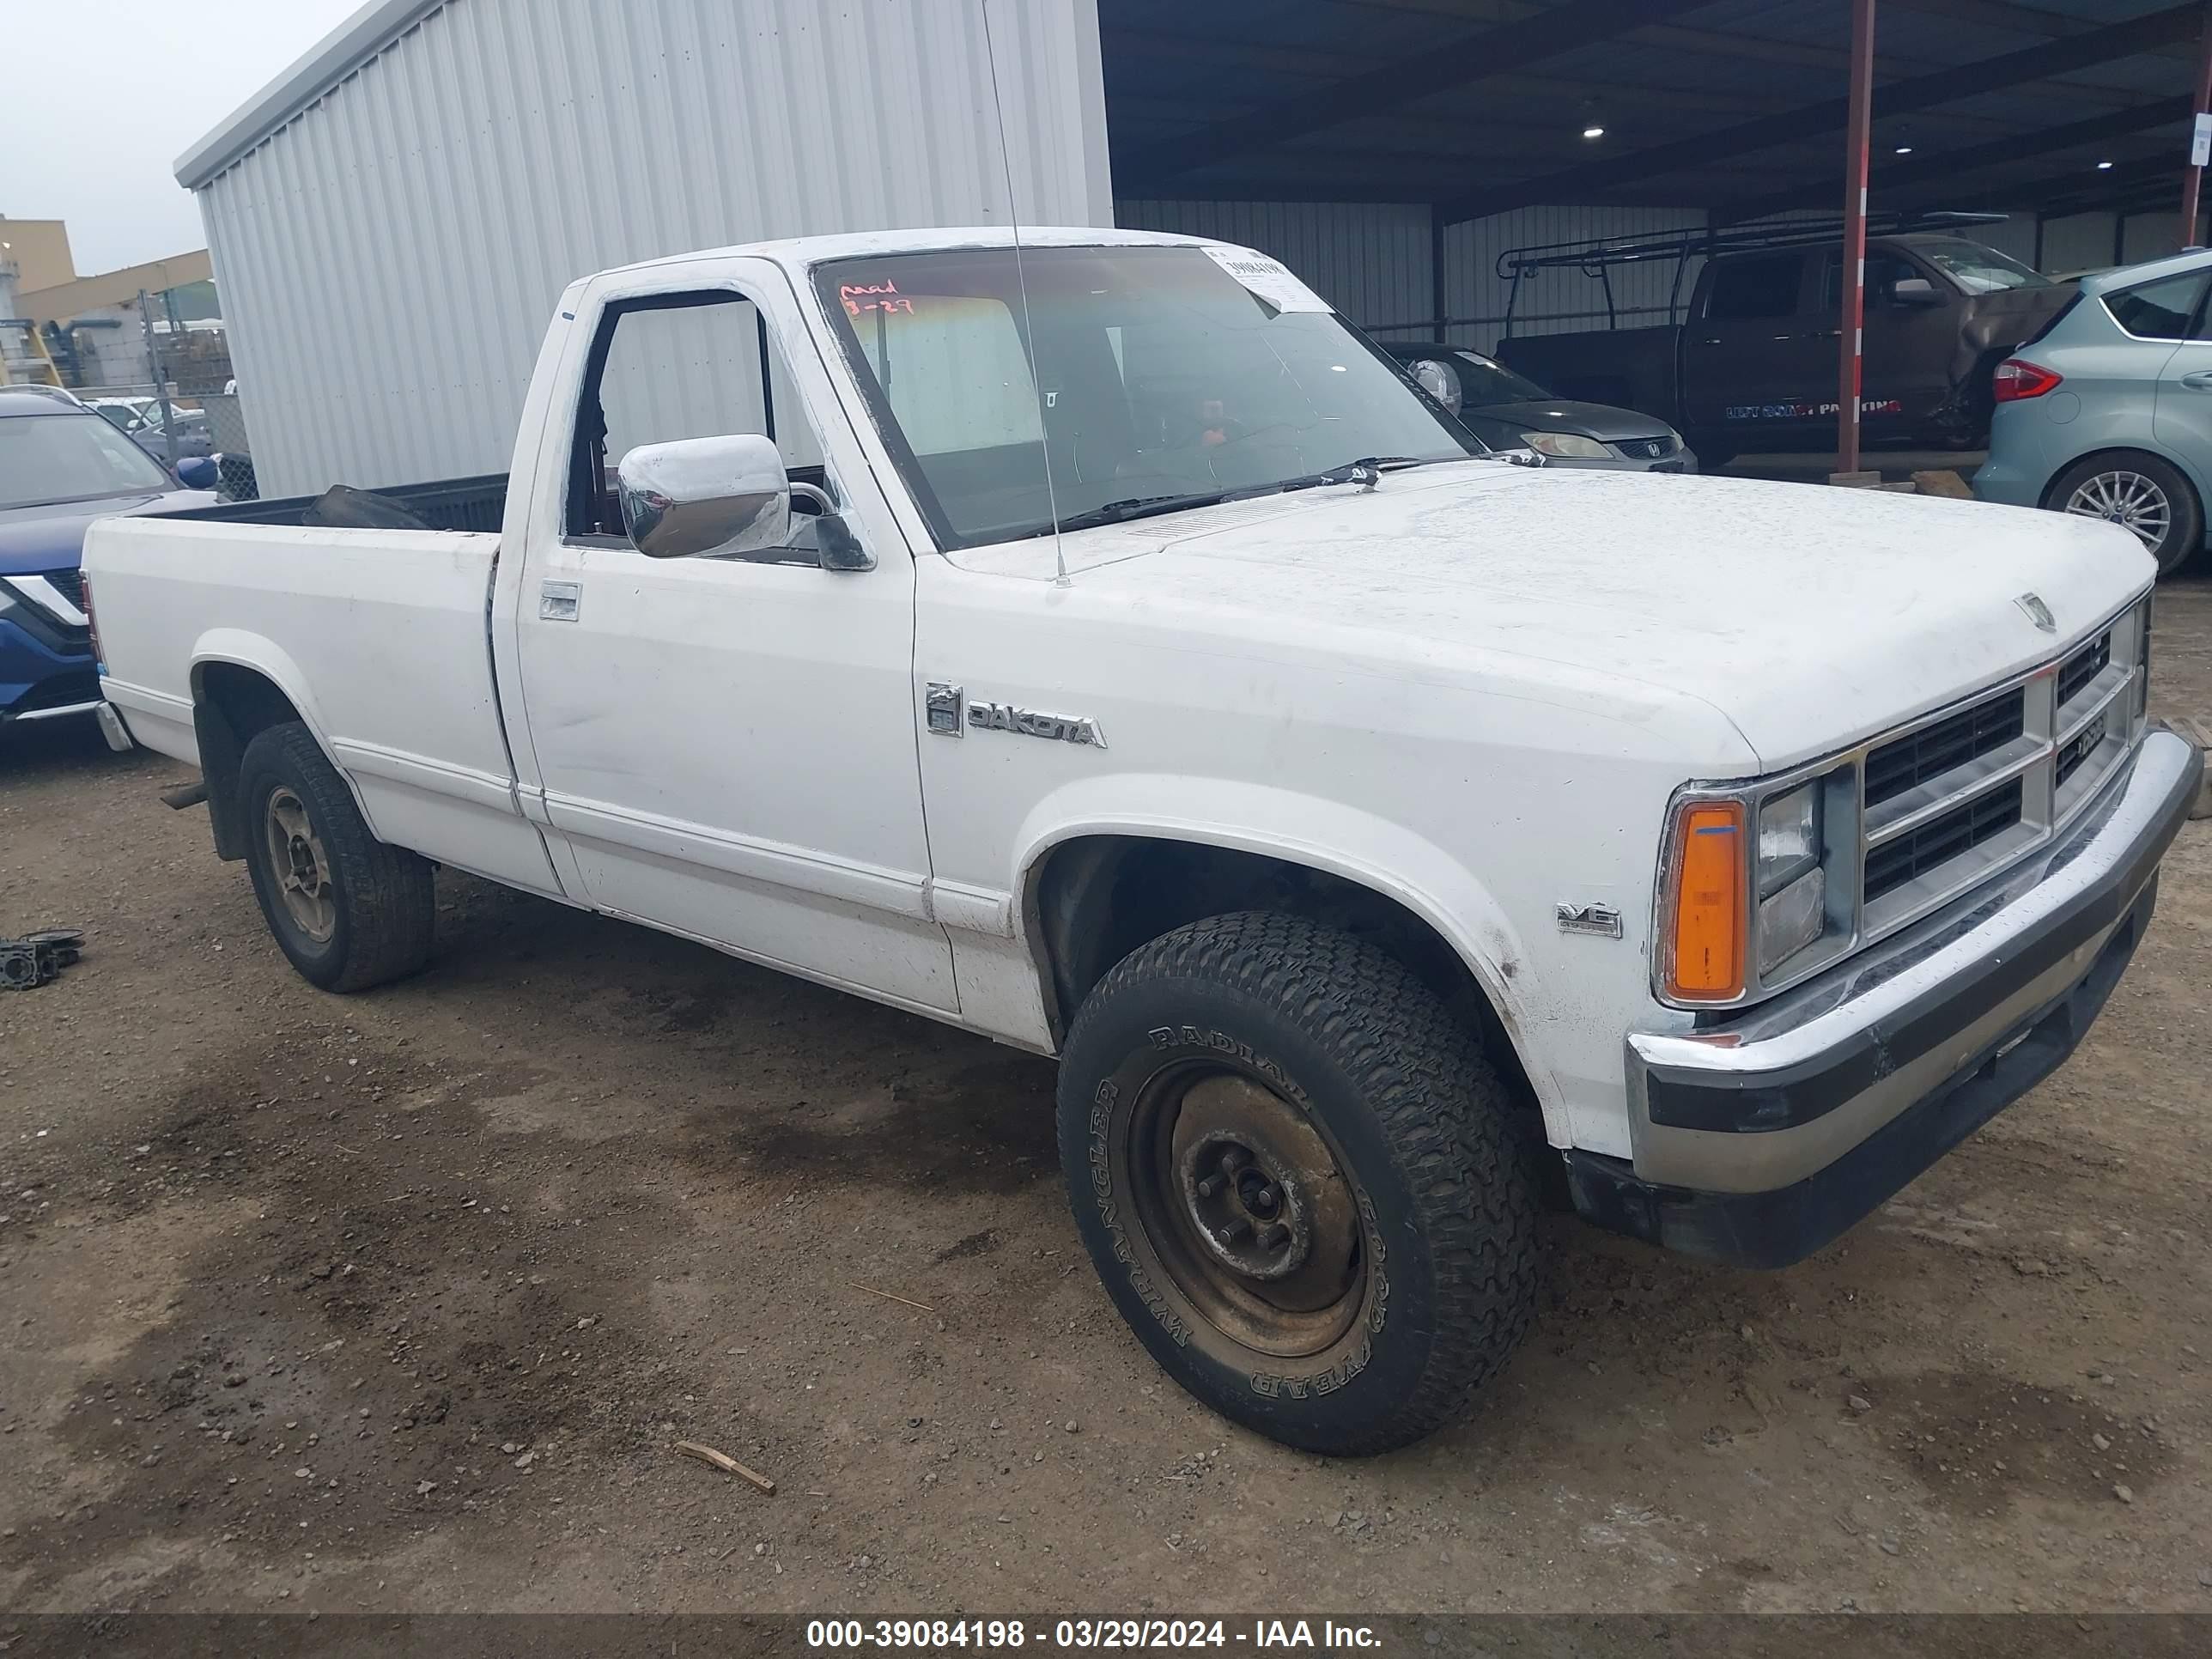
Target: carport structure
1502, 123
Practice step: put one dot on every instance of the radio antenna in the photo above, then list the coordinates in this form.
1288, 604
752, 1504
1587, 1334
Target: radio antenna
1022, 282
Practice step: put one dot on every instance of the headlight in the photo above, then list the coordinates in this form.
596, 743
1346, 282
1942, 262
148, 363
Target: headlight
1789, 837
1438, 381
1567, 445
1744, 895
1793, 892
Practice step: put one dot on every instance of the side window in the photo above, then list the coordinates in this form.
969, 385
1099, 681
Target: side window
679, 365
1764, 286
1883, 273
2158, 311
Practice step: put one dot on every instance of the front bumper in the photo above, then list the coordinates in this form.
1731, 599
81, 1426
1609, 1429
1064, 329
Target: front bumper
1759, 1141
44, 673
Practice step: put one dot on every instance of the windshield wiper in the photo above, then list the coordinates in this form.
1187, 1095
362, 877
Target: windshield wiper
1367, 471
1138, 506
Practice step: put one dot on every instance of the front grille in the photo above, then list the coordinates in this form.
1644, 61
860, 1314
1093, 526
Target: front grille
1948, 744
2083, 745
2084, 665
1645, 449
70, 584
1939, 840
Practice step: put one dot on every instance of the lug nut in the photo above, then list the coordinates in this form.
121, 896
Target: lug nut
1278, 1234
1234, 1230
1209, 1186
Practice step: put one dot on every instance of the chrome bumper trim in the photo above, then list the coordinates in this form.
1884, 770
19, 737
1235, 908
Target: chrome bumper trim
1780, 1093
56, 714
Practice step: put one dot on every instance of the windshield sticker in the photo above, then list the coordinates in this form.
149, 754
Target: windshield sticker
860, 297
1269, 280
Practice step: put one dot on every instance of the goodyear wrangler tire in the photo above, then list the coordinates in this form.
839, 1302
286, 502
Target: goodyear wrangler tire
349, 911
1298, 1177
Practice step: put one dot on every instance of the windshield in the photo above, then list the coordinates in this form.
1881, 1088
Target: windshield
1162, 375
69, 456
1977, 269
1489, 382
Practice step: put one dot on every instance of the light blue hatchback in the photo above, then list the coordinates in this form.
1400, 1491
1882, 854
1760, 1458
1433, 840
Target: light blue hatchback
2108, 411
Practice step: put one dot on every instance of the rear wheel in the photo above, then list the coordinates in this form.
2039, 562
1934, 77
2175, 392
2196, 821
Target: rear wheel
349, 911
1298, 1178
2144, 496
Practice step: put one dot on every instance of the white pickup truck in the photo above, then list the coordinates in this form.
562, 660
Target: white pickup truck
1097, 644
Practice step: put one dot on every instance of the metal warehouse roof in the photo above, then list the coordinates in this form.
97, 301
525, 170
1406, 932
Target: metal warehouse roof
1477, 106
337, 55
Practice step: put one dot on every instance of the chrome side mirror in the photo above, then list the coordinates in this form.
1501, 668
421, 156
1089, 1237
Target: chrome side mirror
1915, 291
726, 494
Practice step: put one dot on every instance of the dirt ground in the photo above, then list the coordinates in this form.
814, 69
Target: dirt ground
397, 1301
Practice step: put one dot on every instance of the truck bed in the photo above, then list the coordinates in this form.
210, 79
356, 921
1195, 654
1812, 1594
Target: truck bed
377, 638
474, 504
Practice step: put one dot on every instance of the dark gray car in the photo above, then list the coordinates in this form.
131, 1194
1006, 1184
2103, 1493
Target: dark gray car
1508, 410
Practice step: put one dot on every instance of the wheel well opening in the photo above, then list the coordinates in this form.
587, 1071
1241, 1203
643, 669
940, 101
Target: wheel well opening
2114, 453
1099, 897
232, 705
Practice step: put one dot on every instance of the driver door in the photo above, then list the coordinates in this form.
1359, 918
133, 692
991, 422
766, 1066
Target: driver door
726, 747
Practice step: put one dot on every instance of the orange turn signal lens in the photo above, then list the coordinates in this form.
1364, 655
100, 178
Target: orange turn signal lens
1709, 927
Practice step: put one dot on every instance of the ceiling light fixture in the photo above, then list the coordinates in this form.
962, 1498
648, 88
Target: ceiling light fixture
2104, 167
1905, 150
1593, 132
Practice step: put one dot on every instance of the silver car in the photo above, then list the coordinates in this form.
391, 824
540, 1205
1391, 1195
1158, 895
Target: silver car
1510, 411
2108, 411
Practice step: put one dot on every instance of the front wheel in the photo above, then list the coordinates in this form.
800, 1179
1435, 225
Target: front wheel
1297, 1176
2144, 496
348, 910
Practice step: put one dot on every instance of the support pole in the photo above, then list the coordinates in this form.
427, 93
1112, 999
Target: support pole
1852, 326
160, 375
1437, 299
2192, 176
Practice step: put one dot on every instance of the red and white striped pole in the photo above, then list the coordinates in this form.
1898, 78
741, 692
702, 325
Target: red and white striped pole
2192, 176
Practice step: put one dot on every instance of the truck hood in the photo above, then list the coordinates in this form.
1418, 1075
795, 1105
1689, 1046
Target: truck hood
1810, 617
51, 536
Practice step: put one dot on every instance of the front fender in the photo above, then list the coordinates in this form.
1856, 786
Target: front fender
1331, 836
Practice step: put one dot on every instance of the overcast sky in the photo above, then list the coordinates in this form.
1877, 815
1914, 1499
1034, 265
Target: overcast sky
109, 92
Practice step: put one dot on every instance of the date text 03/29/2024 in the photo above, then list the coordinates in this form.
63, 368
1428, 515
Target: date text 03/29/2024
1086, 1634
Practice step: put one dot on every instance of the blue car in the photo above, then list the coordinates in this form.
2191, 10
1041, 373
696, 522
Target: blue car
60, 467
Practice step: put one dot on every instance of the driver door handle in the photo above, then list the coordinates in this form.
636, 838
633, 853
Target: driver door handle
2199, 381
560, 601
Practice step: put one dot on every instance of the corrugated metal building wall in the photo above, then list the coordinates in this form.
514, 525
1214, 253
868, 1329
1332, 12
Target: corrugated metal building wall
1558, 302
392, 222
1369, 260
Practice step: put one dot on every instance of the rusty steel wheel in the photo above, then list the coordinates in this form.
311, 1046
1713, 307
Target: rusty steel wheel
1299, 1180
1247, 1210
302, 866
